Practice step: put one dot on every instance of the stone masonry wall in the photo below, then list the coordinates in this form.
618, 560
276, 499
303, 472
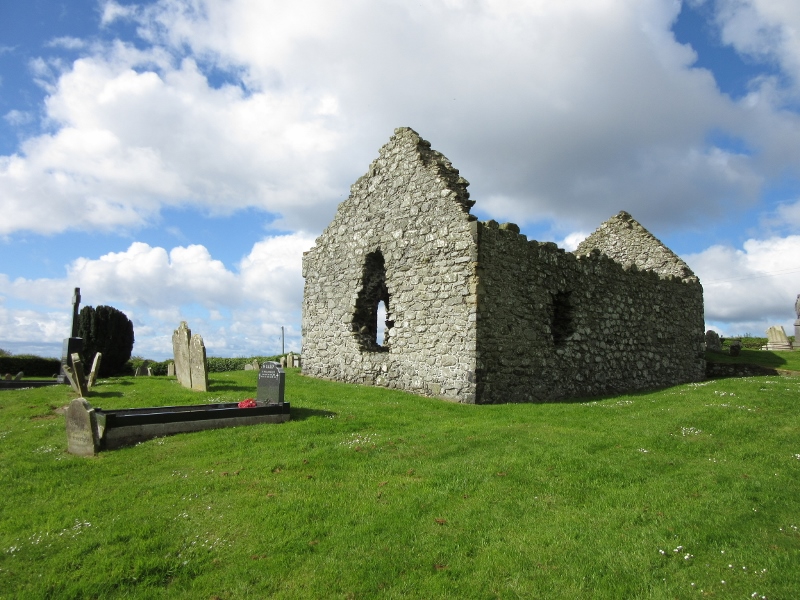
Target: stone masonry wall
404, 236
555, 325
475, 311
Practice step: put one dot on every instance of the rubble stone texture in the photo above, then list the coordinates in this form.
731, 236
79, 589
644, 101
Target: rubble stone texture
477, 313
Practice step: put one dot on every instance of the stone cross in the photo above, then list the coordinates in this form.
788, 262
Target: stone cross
76, 303
198, 366
271, 384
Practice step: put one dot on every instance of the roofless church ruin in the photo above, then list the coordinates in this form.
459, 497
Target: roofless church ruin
476, 312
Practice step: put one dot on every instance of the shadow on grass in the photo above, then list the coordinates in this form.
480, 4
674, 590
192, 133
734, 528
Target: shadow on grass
105, 395
230, 387
763, 358
301, 414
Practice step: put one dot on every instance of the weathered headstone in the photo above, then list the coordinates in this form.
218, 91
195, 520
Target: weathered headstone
256, 366
283, 362
8, 377
180, 348
95, 369
776, 339
171, 369
797, 322
141, 371
736, 348
82, 433
78, 375
149, 371
70, 346
248, 367
271, 384
19, 376
198, 365
297, 361
713, 343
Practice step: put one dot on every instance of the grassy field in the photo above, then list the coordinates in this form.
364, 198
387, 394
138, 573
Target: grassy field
692, 491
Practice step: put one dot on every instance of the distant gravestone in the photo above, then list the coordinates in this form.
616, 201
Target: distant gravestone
19, 376
271, 384
255, 364
171, 369
180, 349
141, 371
149, 371
736, 348
95, 369
8, 377
776, 339
297, 361
797, 321
713, 343
198, 364
248, 367
283, 362
81, 423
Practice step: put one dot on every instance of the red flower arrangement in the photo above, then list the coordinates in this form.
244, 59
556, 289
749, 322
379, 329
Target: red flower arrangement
247, 403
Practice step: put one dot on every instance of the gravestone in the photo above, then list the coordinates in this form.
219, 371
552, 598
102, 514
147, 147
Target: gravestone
797, 322
82, 434
198, 365
78, 375
776, 339
271, 384
283, 362
248, 367
171, 369
736, 348
19, 376
8, 377
149, 371
95, 369
70, 346
256, 366
180, 349
141, 370
296, 364
713, 343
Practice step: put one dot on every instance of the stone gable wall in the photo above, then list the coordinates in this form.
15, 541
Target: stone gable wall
413, 208
616, 329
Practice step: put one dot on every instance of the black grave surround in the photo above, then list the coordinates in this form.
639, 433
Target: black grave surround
126, 417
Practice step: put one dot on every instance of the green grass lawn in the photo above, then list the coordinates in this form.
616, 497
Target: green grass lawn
692, 491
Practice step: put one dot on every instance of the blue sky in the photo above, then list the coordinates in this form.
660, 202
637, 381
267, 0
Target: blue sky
174, 158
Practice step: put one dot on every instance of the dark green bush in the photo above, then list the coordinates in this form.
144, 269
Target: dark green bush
110, 332
32, 366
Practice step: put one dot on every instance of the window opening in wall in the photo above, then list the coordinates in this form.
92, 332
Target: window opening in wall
371, 296
561, 324
380, 335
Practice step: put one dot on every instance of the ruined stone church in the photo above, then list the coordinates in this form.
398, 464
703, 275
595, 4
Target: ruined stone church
477, 313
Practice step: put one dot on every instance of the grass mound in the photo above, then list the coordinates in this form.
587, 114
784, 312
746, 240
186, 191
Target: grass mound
689, 491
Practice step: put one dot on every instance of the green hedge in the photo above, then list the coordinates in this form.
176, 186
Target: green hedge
32, 366
215, 364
